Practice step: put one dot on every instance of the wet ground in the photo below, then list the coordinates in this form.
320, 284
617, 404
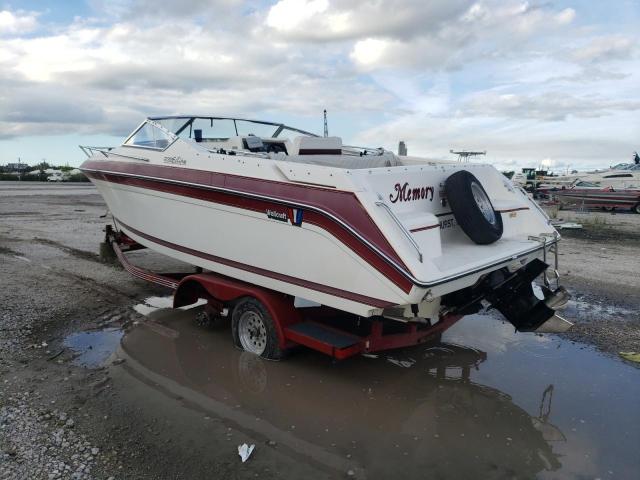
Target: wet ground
154, 393
486, 402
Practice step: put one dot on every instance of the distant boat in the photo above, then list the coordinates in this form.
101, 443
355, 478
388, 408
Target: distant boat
590, 195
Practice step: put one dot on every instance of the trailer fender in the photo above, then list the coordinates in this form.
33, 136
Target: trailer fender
223, 289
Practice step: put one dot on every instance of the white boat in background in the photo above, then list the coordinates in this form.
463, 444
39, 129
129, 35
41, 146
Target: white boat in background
357, 229
621, 176
618, 178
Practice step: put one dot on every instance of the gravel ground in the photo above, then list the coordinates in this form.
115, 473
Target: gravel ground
59, 420
53, 284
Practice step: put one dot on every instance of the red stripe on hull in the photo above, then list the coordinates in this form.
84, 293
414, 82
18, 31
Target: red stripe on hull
420, 229
346, 207
356, 297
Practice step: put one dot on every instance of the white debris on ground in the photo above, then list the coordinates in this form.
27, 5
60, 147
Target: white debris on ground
567, 225
402, 363
38, 444
245, 450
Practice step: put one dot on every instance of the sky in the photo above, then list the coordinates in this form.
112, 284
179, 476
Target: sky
546, 83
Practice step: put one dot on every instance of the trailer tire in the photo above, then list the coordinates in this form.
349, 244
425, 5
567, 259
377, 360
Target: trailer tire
472, 208
637, 208
254, 331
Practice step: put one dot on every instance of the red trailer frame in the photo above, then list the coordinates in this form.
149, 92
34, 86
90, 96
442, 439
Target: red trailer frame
311, 327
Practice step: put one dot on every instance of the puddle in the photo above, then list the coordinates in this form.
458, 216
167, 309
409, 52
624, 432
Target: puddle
579, 308
93, 348
487, 402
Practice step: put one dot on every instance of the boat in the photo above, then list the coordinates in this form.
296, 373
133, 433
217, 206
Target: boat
620, 176
356, 229
585, 195
627, 176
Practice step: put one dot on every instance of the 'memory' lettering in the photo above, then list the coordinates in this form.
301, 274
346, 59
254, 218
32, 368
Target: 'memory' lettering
404, 193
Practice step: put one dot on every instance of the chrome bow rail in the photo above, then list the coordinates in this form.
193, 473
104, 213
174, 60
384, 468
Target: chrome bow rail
107, 152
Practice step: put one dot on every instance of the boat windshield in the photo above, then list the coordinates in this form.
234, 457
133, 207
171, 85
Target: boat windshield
621, 166
223, 128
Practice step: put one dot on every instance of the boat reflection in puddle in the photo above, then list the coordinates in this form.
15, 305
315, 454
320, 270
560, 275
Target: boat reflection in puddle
364, 414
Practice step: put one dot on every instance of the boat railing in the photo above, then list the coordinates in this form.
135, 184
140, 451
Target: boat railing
89, 150
380, 202
549, 241
107, 152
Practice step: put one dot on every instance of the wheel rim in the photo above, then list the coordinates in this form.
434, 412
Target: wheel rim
252, 333
483, 203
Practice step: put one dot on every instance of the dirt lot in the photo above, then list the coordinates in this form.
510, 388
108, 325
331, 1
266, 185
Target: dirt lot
100, 380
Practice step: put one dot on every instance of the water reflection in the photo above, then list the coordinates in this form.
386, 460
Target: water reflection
92, 348
367, 414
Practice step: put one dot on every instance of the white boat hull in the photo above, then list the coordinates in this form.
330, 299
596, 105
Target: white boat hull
249, 246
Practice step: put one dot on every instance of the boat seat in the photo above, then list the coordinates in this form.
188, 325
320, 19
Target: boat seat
316, 146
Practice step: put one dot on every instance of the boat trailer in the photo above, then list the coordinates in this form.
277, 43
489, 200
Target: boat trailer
269, 323
333, 332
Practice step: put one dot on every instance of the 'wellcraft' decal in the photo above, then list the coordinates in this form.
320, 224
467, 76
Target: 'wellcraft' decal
293, 215
404, 193
177, 160
275, 215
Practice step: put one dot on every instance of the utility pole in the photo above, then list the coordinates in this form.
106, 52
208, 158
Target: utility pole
326, 126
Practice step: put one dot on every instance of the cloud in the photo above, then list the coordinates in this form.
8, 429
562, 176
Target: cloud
524, 80
547, 106
605, 48
79, 73
462, 33
163, 9
338, 20
16, 23
288, 15
584, 143
41, 105
369, 51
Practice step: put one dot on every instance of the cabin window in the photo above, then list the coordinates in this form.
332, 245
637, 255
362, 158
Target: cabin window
149, 136
619, 175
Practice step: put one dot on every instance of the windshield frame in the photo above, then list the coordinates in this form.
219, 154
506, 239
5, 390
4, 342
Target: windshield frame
160, 127
189, 119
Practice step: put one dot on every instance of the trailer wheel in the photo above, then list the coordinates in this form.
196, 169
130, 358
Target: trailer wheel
472, 208
637, 208
253, 329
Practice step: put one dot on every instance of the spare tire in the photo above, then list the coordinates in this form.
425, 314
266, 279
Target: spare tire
472, 208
